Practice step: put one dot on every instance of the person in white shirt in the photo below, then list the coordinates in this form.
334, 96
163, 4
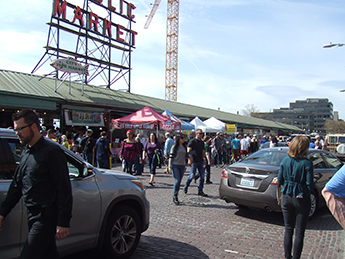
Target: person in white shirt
244, 146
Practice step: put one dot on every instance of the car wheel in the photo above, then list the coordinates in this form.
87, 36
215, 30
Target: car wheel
313, 205
122, 233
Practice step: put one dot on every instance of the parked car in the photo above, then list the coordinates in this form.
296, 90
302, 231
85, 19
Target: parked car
253, 181
289, 139
110, 209
279, 144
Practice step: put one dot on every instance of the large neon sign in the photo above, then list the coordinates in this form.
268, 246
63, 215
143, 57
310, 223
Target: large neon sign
94, 23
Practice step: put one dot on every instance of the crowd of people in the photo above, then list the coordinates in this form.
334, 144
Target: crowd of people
96, 152
176, 152
296, 176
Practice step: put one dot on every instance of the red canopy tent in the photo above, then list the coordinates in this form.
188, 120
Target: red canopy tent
146, 118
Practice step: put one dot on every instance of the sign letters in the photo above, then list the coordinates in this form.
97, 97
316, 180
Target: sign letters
94, 23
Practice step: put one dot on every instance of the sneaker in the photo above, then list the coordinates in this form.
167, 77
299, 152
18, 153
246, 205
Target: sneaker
185, 189
202, 194
209, 182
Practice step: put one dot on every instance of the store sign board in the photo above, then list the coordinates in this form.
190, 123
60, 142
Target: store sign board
85, 117
168, 125
128, 125
230, 128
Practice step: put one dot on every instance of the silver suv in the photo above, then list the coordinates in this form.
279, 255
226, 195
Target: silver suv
110, 209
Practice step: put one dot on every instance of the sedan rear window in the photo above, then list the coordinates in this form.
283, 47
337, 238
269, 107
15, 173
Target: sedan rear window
266, 157
332, 161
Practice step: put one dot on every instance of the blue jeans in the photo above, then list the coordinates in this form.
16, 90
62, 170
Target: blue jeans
177, 172
129, 166
138, 166
208, 172
296, 214
201, 170
151, 166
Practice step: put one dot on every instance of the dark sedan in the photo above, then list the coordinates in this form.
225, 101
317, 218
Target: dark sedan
253, 181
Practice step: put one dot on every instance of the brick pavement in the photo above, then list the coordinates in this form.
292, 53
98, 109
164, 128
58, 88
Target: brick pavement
211, 228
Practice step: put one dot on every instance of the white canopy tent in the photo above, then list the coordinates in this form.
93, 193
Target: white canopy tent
198, 124
214, 125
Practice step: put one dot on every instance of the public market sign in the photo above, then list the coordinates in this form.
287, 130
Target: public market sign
95, 24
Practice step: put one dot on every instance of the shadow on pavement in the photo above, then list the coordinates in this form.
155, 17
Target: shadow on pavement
275, 218
156, 247
322, 220
153, 247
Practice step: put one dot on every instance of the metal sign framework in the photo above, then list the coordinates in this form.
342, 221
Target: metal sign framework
109, 57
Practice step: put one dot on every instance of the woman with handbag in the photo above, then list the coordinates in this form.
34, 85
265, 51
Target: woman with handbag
151, 149
177, 164
296, 175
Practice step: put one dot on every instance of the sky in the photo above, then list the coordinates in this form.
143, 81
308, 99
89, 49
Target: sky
232, 53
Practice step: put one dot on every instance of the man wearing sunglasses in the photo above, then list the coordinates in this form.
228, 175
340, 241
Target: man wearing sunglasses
196, 155
42, 179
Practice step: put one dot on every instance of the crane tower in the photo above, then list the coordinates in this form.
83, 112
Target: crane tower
172, 31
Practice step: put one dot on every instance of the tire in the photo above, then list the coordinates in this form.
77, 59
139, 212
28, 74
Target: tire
122, 233
313, 206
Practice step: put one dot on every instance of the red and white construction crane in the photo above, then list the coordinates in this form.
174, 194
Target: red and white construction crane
171, 64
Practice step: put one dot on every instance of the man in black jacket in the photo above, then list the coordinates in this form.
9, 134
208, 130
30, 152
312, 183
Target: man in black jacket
196, 160
42, 179
87, 145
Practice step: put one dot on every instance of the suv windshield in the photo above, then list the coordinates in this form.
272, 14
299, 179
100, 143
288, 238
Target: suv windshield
266, 157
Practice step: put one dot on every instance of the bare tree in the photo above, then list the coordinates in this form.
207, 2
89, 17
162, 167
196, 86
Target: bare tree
249, 109
333, 127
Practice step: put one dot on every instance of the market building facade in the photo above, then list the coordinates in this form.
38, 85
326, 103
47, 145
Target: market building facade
75, 106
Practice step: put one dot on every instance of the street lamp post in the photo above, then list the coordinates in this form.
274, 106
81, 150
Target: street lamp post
331, 45
300, 123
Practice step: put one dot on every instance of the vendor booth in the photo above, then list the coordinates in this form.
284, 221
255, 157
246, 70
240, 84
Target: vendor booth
214, 125
146, 118
184, 125
198, 124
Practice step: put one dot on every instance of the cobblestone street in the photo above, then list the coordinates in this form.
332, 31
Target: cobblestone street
210, 228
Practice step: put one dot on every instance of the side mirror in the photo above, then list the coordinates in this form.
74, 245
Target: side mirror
87, 171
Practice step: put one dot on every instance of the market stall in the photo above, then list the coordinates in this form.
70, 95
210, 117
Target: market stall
185, 126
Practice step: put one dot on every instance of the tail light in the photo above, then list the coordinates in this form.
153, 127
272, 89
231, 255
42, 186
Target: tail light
274, 181
224, 174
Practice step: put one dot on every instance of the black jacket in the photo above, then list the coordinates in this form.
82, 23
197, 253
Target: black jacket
42, 179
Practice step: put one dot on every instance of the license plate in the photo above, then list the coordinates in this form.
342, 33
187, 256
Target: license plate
247, 182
